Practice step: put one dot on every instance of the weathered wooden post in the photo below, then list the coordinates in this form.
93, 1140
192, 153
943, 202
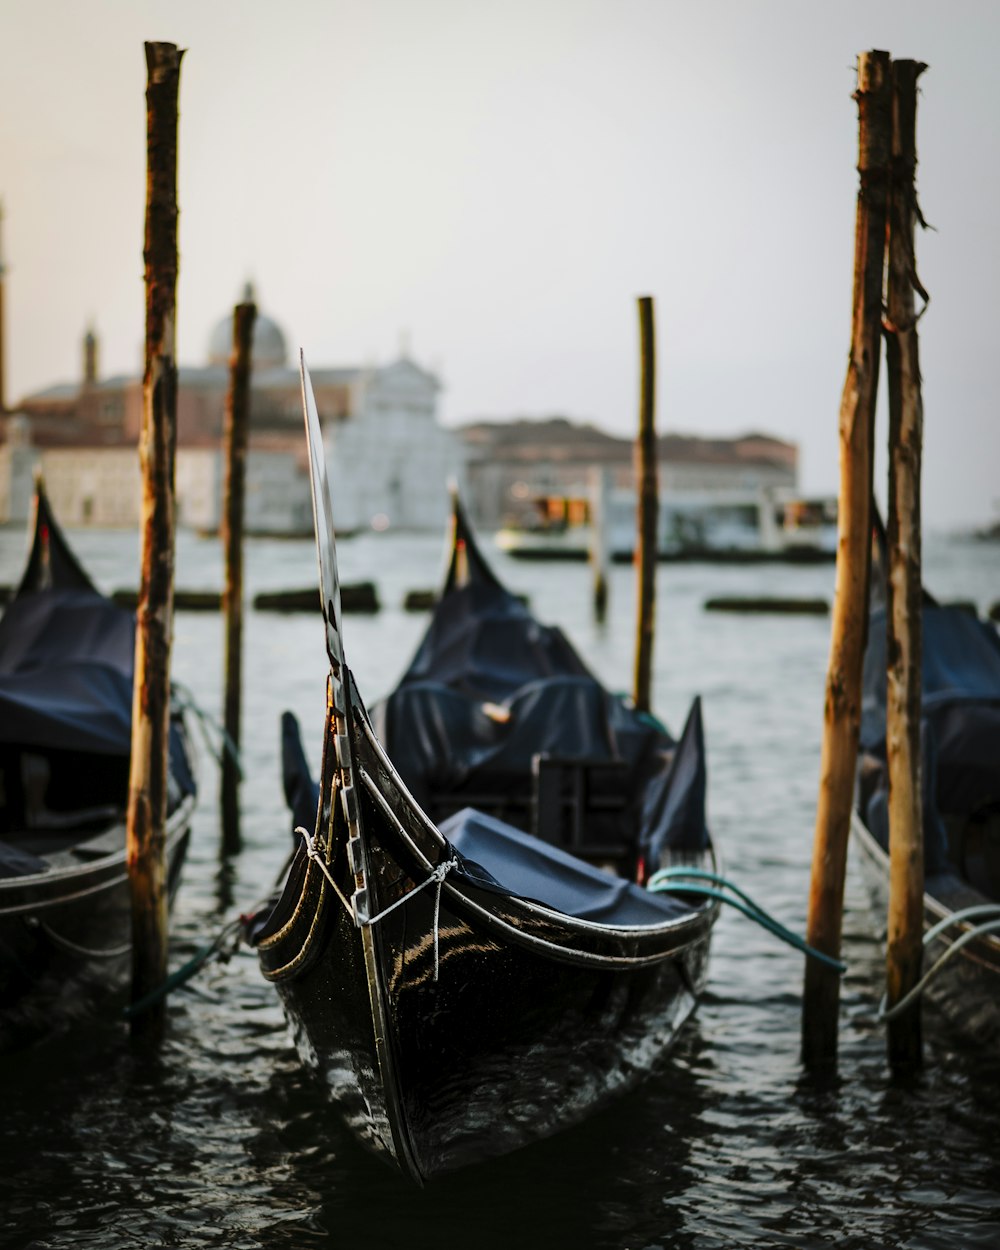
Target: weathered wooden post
842, 705
147, 799
904, 952
646, 517
599, 554
235, 432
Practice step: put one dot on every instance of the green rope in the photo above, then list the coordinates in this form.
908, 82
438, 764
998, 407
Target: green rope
667, 879
187, 970
990, 925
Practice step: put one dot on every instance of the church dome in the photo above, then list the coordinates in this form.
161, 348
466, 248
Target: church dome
269, 349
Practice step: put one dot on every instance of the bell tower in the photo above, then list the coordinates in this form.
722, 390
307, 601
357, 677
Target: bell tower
89, 357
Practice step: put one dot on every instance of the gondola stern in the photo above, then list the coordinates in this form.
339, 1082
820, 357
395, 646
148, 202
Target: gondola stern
466, 563
51, 563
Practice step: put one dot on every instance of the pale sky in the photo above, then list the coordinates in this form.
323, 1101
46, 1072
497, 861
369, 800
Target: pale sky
498, 181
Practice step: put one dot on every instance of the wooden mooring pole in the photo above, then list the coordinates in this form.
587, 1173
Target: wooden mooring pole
147, 799
235, 431
599, 554
904, 953
842, 704
648, 507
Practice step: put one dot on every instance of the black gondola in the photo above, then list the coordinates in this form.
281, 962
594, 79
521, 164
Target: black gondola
960, 778
66, 663
449, 956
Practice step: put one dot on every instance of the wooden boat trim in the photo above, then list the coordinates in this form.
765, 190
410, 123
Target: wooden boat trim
278, 974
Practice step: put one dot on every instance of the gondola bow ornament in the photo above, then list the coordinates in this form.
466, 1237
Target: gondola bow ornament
338, 685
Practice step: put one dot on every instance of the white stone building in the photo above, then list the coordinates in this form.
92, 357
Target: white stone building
388, 458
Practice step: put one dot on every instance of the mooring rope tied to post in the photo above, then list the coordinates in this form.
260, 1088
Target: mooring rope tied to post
992, 925
682, 880
185, 701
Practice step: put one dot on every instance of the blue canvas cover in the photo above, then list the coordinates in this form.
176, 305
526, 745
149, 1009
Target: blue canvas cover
66, 660
66, 664
529, 868
961, 703
491, 691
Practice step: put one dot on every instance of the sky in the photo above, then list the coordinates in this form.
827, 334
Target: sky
494, 184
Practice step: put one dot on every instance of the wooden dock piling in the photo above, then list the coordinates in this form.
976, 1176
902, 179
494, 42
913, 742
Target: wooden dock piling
842, 705
648, 507
147, 799
904, 953
235, 434
599, 554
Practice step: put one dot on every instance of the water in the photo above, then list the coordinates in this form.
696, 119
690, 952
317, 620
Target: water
224, 1141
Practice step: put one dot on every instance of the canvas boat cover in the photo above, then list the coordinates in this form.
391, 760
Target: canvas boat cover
490, 689
497, 857
961, 703
66, 664
525, 866
66, 660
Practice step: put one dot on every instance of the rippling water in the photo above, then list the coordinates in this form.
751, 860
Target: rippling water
223, 1141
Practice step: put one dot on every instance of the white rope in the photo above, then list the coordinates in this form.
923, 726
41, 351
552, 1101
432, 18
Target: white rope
87, 952
890, 1013
312, 851
436, 877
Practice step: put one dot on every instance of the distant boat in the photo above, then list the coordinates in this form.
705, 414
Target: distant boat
960, 766
66, 663
449, 957
718, 526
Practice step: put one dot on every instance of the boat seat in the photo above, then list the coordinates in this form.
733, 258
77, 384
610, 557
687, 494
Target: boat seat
580, 805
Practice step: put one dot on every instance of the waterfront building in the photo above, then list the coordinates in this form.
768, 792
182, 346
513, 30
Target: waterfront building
389, 458
510, 464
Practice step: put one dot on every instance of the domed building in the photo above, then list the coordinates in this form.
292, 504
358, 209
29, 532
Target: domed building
269, 350
389, 459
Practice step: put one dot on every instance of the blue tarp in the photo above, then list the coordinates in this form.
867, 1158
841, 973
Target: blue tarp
529, 868
66, 659
961, 704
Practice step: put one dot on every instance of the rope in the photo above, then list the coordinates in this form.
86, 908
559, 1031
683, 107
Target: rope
75, 949
667, 879
313, 852
437, 877
184, 701
217, 946
886, 1012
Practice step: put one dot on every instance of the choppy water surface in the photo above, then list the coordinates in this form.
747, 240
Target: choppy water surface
224, 1141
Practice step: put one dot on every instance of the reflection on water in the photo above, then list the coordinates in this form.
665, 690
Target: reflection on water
224, 1141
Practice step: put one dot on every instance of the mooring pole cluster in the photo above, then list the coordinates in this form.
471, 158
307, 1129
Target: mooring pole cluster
886, 212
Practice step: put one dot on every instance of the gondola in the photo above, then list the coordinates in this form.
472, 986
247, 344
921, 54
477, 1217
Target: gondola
452, 953
960, 779
66, 662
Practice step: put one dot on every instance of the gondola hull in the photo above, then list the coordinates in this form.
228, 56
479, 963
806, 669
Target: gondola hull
967, 990
452, 956
66, 940
532, 1023
66, 665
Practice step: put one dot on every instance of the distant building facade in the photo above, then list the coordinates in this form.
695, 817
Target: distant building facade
389, 459
511, 464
